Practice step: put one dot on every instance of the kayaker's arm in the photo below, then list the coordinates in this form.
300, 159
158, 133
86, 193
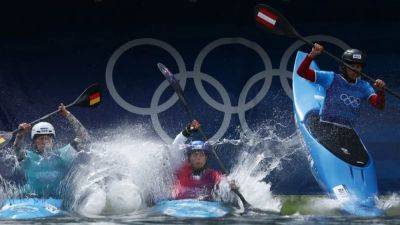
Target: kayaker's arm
17, 146
305, 71
80, 131
304, 68
19, 152
182, 137
378, 99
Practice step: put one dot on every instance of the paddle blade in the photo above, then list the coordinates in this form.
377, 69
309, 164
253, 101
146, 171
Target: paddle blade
5, 137
169, 76
271, 20
91, 97
174, 84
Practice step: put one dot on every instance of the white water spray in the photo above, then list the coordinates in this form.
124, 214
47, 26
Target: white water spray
261, 153
124, 172
390, 204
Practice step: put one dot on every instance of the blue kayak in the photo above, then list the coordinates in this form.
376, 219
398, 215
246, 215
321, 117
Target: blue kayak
192, 208
30, 208
339, 160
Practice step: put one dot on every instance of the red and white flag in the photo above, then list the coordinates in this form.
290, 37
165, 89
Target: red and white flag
267, 18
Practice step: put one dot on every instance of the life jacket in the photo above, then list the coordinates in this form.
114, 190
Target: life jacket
192, 186
44, 174
343, 100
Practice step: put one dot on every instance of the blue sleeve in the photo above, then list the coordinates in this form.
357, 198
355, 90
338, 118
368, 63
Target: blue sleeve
368, 90
324, 78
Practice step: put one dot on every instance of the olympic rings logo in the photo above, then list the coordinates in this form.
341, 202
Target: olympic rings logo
226, 107
350, 100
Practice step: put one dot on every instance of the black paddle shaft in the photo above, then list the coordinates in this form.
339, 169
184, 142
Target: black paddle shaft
178, 90
271, 20
43, 117
189, 112
221, 164
337, 59
80, 101
89, 98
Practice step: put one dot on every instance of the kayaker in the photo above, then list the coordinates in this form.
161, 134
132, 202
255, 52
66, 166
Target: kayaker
45, 167
345, 91
195, 179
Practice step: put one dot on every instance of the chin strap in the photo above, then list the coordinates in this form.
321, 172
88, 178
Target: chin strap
198, 172
347, 78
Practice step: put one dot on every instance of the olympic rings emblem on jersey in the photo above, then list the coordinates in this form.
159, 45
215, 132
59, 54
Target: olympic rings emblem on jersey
226, 106
350, 100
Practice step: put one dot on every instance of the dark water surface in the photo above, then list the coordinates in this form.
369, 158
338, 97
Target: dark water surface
246, 219
290, 214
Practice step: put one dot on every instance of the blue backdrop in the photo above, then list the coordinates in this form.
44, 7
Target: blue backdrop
236, 75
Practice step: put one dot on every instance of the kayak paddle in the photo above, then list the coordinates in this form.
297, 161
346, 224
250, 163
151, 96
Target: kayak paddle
271, 20
178, 90
89, 98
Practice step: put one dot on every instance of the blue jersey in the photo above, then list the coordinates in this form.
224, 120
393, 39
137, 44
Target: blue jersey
343, 99
44, 173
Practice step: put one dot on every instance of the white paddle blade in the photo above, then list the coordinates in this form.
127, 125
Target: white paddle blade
271, 20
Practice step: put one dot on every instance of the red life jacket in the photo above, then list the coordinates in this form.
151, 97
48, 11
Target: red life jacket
188, 185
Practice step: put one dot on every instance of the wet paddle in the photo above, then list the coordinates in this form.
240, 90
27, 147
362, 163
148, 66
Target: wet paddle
178, 90
89, 98
271, 20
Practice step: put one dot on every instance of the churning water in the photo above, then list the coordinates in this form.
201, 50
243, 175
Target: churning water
120, 175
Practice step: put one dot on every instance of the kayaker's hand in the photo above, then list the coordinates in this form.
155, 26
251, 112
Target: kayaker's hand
23, 129
233, 185
379, 84
63, 111
192, 127
316, 50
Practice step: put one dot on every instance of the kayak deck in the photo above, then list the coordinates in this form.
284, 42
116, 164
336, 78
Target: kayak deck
192, 208
341, 141
30, 208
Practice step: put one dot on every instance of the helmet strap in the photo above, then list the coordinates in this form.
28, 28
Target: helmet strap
344, 73
198, 172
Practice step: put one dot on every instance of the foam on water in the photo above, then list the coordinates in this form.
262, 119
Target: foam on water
9, 188
390, 204
261, 152
128, 169
322, 206
121, 173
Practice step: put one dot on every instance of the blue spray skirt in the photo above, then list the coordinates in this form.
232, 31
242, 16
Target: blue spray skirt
30, 208
339, 161
192, 208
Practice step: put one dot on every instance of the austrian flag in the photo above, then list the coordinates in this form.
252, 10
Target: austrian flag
266, 18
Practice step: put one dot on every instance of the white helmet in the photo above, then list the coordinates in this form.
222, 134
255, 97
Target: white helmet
42, 128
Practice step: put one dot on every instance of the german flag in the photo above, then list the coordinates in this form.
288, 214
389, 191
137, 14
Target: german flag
94, 98
2, 139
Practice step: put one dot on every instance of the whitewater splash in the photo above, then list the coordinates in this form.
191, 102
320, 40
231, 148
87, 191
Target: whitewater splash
390, 205
128, 170
9, 187
123, 172
261, 153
